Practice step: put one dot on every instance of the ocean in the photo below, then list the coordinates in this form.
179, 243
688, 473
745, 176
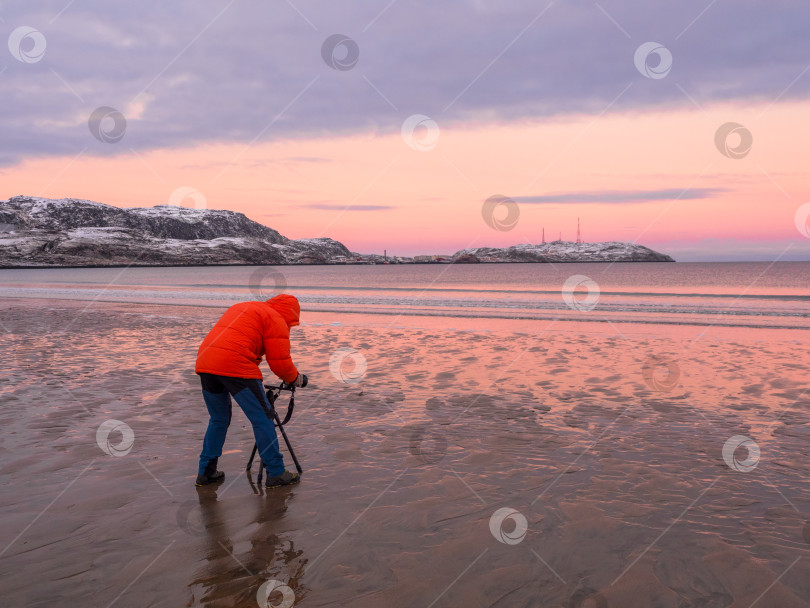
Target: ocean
744, 294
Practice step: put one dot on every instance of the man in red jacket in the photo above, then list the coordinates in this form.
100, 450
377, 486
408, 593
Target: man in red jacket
228, 365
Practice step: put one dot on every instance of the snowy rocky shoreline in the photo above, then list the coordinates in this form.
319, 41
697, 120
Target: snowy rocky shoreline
563, 251
41, 232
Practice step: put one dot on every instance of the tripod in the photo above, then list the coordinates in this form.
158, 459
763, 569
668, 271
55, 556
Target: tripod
273, 393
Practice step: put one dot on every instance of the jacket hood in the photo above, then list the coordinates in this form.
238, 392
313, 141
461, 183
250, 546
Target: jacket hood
288, 307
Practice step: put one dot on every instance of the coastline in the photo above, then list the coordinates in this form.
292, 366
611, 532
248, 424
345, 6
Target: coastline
345, 264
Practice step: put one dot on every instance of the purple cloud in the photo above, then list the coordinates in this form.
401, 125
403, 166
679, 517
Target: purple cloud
256, 72
621, 196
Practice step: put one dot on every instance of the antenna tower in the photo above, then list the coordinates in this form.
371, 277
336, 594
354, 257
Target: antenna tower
579, 238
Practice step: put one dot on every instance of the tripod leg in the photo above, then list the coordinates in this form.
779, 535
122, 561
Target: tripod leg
273, 415
287, 441
252, 456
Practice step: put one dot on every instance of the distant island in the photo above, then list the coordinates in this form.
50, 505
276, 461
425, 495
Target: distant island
563, 251
42, 232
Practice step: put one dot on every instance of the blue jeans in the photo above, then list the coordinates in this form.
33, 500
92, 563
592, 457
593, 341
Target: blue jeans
249, 395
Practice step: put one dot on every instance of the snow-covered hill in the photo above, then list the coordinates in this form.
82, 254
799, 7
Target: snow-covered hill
562, 251
73, 232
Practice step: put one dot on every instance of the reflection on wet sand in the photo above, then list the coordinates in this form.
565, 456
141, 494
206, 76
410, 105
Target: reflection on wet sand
233, 572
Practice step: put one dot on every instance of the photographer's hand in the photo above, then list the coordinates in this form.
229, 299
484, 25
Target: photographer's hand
300, 381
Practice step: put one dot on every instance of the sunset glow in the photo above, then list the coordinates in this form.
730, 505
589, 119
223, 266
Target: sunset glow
372, 192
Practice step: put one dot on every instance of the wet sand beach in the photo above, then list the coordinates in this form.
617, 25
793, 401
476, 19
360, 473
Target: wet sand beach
542, 463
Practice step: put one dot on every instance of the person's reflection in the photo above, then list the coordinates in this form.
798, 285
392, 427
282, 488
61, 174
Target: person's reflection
238, 563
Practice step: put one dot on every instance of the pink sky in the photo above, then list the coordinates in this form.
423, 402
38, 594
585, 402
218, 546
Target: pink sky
434, 197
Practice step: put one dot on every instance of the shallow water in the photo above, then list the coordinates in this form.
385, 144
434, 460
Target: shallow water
608, 442
729, 294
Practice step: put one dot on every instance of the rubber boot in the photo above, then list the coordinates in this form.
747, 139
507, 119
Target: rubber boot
210, 474
285, 479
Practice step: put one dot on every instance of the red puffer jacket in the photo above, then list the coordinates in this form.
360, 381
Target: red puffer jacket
245, 333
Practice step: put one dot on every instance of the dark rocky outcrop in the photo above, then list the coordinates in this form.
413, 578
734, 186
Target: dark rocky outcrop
73, 232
